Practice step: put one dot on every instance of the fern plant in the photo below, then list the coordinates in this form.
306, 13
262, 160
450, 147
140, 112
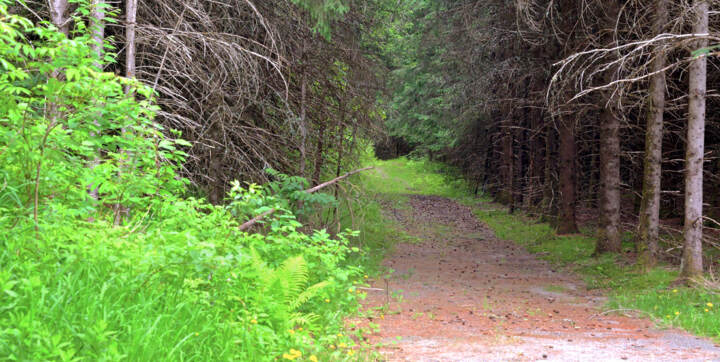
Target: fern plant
285, 291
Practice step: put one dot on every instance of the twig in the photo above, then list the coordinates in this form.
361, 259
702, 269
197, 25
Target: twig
621, 310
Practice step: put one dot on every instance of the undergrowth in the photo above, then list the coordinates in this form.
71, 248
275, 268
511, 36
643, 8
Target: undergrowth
106, 256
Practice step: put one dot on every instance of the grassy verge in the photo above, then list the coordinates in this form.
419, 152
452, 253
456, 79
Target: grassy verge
402, 176
650, 294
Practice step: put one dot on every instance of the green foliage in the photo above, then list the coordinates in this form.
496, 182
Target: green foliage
323, 12
61, 132
415, 51
695, 310
705, 51
176, 279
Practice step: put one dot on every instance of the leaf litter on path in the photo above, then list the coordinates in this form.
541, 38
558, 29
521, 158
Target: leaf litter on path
469, 296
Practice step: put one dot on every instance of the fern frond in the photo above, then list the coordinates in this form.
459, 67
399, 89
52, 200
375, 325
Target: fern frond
307, 294
294, 274
300, 319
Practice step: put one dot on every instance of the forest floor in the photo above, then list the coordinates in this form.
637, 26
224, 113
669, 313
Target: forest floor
459, 293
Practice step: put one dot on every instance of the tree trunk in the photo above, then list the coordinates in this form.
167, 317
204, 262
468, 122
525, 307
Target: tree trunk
567, 177
609, 235
649, 225
548, 203
303, 115
488, 170
536, 162
508, 173
130, 49
522, 192
58, 15
338, 168
692, 254
130, 45
319, 154
593, 182
97, 26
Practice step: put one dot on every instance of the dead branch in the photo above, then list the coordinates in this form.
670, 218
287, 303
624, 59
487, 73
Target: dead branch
311, 190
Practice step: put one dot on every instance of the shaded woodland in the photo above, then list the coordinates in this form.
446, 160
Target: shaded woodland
178, 178
250, 84
575, 111
159, 162
589, 111
582, 112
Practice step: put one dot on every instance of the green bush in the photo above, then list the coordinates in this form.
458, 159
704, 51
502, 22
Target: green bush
176, 279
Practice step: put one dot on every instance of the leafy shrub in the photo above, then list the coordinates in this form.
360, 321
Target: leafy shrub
176, 279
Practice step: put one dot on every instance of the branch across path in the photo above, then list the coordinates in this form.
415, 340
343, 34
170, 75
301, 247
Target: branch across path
311, 190
462, 294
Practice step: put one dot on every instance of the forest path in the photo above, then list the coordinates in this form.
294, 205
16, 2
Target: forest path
461, 294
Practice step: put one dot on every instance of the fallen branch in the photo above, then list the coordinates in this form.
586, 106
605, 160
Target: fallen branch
254, 220
311, 190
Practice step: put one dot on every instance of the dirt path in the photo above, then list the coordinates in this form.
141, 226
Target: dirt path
468, 296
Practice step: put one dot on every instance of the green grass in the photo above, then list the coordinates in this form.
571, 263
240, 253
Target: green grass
187, 285
377, 234
629, 289
555, 288
403, 176
389, 183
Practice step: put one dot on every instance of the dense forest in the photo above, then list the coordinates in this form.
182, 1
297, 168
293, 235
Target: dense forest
579, 111
175, 176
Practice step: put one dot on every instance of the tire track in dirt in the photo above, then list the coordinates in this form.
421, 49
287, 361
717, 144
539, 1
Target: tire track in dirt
468, 296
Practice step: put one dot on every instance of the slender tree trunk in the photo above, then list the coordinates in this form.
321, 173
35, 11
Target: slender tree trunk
303, 111
536, 161
488, 169
130, 45
593, 182
692, 254
130, 49
522, 187
338, 168
567, 148
549, 202
567, 169
319, 154
97, 26
649, 225
609, 236
59, 18
58, 15
508, 173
